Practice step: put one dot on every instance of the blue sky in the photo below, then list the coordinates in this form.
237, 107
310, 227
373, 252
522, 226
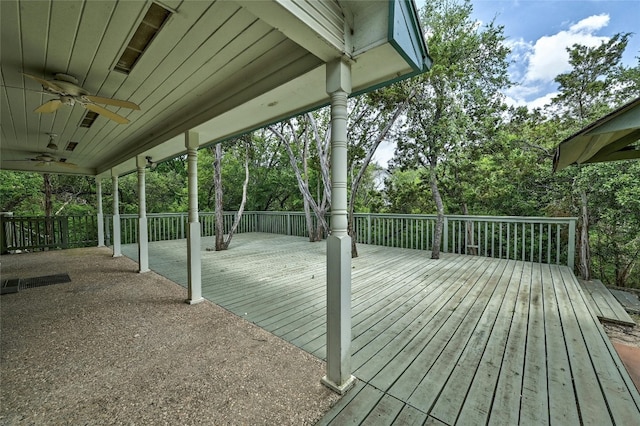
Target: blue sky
539, 31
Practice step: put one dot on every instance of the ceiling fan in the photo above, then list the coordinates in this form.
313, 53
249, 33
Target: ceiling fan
66, 86
46, 159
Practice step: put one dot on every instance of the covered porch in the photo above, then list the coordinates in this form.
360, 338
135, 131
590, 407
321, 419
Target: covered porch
462, 340
186, 75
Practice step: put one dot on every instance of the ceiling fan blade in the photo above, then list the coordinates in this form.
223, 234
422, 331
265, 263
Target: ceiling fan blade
45, 83
65, 164
114, 102
50, 106
106, 113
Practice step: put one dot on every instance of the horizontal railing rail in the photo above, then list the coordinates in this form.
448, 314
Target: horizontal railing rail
536, 239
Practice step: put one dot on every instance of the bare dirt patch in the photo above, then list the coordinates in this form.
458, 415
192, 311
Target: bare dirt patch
625, 334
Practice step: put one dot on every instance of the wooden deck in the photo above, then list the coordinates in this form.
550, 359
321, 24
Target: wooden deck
604, 303
462, 340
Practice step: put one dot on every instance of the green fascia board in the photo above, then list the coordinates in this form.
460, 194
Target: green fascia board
405, 35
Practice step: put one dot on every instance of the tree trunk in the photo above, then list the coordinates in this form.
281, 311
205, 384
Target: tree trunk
309, 220
236, 222
355, 182
217, 183
352, 233
471, 246
303, 183
48, 208
437, 199
585, 255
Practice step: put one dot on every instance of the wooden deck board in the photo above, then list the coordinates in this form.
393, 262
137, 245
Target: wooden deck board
479, 397
629, 301
559, 379
461, 340
592, 406
454, 393
383, 369
456, 343
534, 407
410, 416
623, 410
605, 304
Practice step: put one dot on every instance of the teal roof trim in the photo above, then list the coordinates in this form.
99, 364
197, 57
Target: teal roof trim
405, 34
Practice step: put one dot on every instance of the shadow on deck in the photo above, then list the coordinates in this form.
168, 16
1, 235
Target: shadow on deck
462, 340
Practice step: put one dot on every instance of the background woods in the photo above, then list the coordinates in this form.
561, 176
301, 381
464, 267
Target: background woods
459, 149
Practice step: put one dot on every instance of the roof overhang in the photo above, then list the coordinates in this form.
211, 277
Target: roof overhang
217, 68
614, 137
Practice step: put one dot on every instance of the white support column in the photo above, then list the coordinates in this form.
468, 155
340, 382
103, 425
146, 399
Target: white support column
338, 376
194, 271
117, 251
100, 215
143, 238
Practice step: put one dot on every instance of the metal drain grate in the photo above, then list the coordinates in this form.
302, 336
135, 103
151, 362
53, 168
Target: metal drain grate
45, 280
10, 286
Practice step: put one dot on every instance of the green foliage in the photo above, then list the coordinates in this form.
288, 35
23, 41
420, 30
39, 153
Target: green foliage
21, 193
487, 159
407, 192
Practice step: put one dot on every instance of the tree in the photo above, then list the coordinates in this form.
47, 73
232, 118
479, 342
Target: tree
220, 242
372, 120
453, 100
298, 134
592, 88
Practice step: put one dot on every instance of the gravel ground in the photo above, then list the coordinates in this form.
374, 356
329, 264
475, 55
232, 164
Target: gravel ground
118, 347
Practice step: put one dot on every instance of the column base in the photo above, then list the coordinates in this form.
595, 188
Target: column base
116, 255
339, 389
142, 271
194, 301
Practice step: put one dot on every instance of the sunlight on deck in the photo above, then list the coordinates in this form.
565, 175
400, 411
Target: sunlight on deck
462, 340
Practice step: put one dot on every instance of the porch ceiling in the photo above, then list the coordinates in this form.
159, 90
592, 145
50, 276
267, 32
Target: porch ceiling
219, 68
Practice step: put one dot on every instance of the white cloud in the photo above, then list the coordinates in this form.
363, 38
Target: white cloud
535, 64
549, 56
590, 24
384, 153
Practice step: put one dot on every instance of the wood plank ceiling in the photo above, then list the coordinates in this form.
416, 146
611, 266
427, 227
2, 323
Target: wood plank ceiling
209, 58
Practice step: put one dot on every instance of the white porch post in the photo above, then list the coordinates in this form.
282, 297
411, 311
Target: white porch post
338, 376
100, 215
117, 251
194, 272
143, 238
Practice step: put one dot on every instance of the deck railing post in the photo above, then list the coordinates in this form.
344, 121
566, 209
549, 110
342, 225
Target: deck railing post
571, 252
445, 235
117, 252
64, 232
288, 223
100, 214
369, 228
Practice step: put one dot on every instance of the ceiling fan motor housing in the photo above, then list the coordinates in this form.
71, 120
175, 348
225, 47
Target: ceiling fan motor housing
67, 100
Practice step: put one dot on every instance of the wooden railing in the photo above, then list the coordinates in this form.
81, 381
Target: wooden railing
536, 239
39, 233
171, 226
